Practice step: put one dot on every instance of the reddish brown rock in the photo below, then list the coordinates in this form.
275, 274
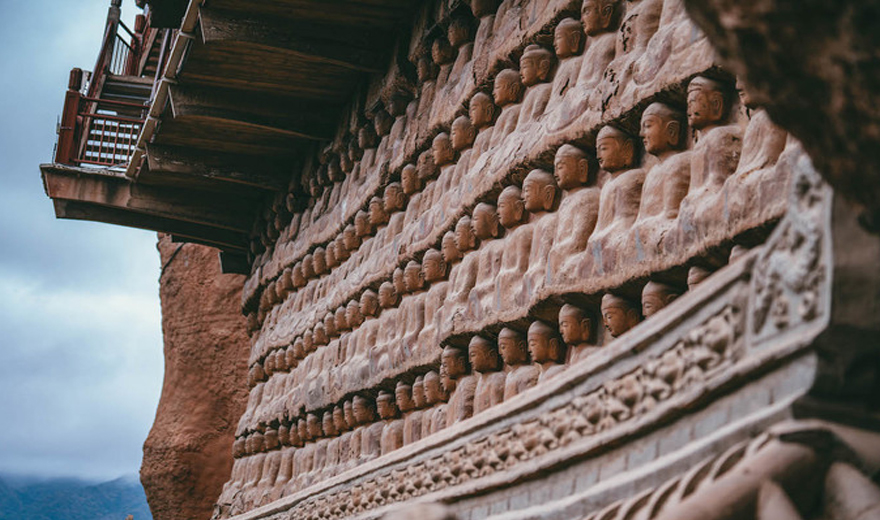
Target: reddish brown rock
188, 454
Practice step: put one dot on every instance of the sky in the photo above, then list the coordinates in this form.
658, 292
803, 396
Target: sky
80, 327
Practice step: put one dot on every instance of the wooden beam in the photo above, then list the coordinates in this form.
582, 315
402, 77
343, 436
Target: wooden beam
273, 114
219, 27
220, 238
231, 168
117, 191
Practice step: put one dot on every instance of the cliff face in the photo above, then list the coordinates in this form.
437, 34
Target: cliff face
188, 453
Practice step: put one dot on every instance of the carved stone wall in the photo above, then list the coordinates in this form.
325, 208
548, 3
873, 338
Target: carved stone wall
502, 268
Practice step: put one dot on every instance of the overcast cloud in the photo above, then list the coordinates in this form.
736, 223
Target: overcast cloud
80, 330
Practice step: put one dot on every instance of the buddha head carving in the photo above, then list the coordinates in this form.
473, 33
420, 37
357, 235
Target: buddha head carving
460, 31
615, 149
481, 110
367, 138
270, 439
737, 252
545, 345
441, 52
369, 304
342, 320
316, 431
404, 395
513, 347
574, 325
454, 362
319, 260
434, 391
299, 348
662, 129
346, 164
483, 355
294, 438
449, 250
511, 208
539, 191
387, 295
618, 314
442, 149
290, 357
655, 296
535, 65
259, 445
363, 410
433, 265
394, 199
463, 133
330, 325
571, 167
382, 122
409, 179
341, 245
334, 170
330, 256
425, 164
348, 412
353, 314
328, 424
302, 429
568, 38
308, 341
485, 222
378, 216
351, 238
696, 274
426, 69
465, 239
706, 102
413, 277
482, 8
308, 266
600, 16
418, 392
339, 419
399, 281
508, 88
385, 405
362, 225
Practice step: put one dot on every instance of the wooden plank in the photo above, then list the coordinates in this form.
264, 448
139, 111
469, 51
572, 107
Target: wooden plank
117, 191
220, 27
237, 169
220, 238
274, 114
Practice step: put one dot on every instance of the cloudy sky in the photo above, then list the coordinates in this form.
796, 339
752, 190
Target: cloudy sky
80, 331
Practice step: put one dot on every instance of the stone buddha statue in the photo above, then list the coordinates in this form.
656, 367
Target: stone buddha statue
353, 315
371, 431
507, 91
640, 21
413, 426
444, 159
308, 266
413, 309
448, 250
540, 196
463, 135
619, 314
546, 349
521, 374
377, 215
463, 385
655, 296
620, 196
412, 186
487, 229
696, 275
714, 157
392, 430
576, 328
666, 182
434, 270
568, 44
756, 184
351, 238
394, 202
403, 395
516, 251
481, 112
362, 226
535, 71
486, 364
340, 248
462, 276
331, 466
320, 261
600, 19
434, 418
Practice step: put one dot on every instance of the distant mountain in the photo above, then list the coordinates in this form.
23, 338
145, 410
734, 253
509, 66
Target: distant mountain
70, 499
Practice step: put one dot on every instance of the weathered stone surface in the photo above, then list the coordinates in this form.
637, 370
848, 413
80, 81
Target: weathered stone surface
188, 453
